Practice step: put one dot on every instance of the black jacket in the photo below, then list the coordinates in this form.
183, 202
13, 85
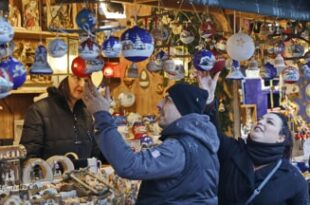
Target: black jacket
238, 179
51, 128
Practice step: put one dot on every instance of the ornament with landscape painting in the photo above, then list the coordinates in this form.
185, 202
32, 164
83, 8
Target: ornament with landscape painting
204, 60
5, 83
16, 70
57, 48
290, 74
111, 47
86, 19
89, 49
268, 72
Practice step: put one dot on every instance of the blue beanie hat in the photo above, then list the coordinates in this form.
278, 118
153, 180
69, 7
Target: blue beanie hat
188, 98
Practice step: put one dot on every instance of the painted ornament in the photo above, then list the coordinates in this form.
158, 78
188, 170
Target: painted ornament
290, 74
240, 46
16, 70
112, 47
40, 65
57, 48
204, 60
6, 31
89, 49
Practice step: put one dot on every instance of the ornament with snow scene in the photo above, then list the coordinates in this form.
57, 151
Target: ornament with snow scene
57, 48
16, 70
204, 60
111, 47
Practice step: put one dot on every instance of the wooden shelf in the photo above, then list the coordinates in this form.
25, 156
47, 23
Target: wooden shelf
29, 90
27, 34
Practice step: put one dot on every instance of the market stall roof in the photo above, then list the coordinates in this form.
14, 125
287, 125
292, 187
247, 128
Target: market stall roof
289, 9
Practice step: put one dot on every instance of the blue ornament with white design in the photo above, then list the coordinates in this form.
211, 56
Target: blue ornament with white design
6, 31
137, 44
16, 70
86, 19
269, 72
40, 65
306, 69
290, 74
204, 60
89, 49
57, 48
94, 65
111, 47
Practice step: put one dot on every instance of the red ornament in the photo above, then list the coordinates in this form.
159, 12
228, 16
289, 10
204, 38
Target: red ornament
220, 62
112, 69
78, 67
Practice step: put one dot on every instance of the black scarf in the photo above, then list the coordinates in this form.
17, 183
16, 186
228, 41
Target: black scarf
264, 153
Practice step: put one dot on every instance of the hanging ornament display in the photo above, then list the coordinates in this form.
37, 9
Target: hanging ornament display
40, 65
5, 84
16, 70
137, 44
207, 28
144, 79
57, 48
78, 67
204, 60
234, 73
240, 46
112, 47
89, 49
269, 71
306, 69
86, 19
290, 74
161, 33
279, 63
6, 31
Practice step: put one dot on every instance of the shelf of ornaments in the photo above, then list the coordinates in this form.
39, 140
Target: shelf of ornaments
34, 85
22, 33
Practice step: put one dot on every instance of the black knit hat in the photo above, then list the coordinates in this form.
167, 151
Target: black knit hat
188, 98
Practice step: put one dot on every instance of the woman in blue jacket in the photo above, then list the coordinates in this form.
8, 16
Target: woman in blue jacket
245, 164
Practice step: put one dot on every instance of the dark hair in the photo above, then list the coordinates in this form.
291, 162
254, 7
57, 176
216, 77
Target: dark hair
63, 88
285, 130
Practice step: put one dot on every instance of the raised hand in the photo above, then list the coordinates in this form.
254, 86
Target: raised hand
208, 83
94, 100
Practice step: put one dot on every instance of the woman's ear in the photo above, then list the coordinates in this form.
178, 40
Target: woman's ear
281, 138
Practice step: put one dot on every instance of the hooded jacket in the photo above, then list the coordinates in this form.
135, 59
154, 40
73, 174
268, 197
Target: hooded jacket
181, 170
51, 128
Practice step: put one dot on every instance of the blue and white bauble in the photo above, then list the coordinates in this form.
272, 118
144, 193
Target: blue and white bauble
16, 70
57, 48
290, 74
204, 60
40, 65
269, 72
6, 31
89, 49
111, 47
137, 44
306, 69
5, 84
86, 19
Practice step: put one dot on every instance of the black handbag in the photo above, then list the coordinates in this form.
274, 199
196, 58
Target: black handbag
261, 186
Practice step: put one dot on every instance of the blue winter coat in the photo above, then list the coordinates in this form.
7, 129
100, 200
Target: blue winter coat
166, 165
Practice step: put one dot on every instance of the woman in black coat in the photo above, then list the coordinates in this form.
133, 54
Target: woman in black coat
245, 164
60, 123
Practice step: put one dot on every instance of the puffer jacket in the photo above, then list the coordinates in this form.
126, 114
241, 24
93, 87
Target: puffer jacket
51, 128
182, 170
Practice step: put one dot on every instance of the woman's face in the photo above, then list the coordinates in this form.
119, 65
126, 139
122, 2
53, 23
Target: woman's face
267, 129
76, 87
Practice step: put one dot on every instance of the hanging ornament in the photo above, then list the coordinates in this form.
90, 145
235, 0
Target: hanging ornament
174, 69
115, 66
57, 48
306, 69
269, 71
221, 106
86, 19
221, 45
126, 99
16, 70
207, 28
152, 66
279, 47
234, 73
108, 72
6, 31
112, 47
204, 60
144, 79
253, 70
240, 46
78, 67
40, 65
137, 44
161, 33
219, 64
186, 36
279, 63
5, 83
290, 74
89, 49
297, 50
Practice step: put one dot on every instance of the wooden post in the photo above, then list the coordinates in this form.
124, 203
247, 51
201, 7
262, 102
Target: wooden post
236, 109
